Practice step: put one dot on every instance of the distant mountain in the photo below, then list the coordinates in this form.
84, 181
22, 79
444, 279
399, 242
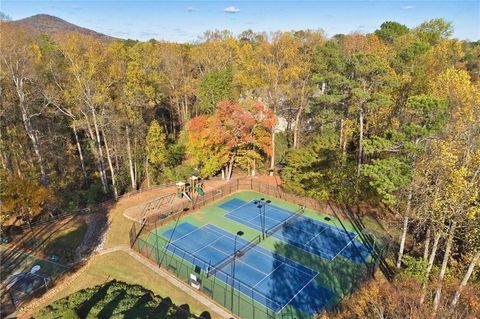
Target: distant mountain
53, 26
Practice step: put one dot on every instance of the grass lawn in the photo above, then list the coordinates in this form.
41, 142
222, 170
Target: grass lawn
121, 266
119, 224
61, 242
64, 242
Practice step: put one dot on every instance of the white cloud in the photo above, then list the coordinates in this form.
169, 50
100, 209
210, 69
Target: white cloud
231, 9
408, 7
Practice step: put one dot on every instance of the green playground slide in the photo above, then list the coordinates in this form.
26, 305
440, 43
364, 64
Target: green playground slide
200, 191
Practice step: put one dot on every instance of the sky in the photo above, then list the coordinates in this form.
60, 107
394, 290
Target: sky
186, 21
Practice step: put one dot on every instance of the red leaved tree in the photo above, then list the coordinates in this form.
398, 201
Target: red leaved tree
214, 142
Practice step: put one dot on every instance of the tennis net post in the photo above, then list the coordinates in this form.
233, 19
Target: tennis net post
286, 222
241, 251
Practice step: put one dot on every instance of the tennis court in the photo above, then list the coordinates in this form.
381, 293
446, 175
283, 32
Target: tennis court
291, 227
25, 274
270, 279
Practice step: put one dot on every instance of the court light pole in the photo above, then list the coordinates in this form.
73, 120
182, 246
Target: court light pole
261, 220
265, 214
239, 233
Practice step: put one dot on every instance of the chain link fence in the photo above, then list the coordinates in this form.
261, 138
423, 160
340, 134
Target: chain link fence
180, 263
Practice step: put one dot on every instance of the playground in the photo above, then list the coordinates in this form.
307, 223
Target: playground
259, 256
186, 192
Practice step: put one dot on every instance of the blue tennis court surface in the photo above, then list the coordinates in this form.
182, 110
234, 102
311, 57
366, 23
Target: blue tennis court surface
270, 279
308, 234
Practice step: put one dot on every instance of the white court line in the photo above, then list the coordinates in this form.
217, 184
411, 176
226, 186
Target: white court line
344, 247
254, 268
228, 212
245, 222
268, 275
256, 216
291, 260
260, 250
308, 242
302, 246
280, 210
298, 293
172, 242
210, 244
204, 228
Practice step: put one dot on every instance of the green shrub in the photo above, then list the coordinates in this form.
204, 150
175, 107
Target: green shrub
114, 299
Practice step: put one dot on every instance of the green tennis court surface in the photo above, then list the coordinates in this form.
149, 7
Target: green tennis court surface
303, 264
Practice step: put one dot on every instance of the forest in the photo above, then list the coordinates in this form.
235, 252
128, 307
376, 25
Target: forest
389, 119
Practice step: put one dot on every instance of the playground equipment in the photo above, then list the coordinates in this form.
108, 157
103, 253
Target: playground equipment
182, 190
188, 189
197, 185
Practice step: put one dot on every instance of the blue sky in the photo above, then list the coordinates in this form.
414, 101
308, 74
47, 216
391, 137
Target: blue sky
185, 21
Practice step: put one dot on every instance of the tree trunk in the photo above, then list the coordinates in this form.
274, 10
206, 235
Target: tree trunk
426, 247
296, 129
135, 169
340, 140
446, 256
405, 228
465, 279
180, 113
130, 162
360, 146
33, 138
100, 149
26, 118
272, 161
97, 157
3, 157
80, 153
110, 165
433, 253
4, 162
230, 167
185, 107
147, 175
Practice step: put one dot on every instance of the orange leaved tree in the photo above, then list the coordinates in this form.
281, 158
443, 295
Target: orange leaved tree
215, 141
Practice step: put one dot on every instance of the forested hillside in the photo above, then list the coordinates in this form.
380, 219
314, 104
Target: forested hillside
53, 26
391, 119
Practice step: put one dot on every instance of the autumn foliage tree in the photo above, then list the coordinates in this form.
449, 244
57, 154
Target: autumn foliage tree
215, 141
22, 198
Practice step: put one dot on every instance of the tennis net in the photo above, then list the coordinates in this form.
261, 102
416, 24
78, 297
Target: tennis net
240, 252
285, 222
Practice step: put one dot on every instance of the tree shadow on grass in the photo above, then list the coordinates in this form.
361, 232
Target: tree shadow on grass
143, 308
183, 311
108, 310
87, 306
206, 315
162, 309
